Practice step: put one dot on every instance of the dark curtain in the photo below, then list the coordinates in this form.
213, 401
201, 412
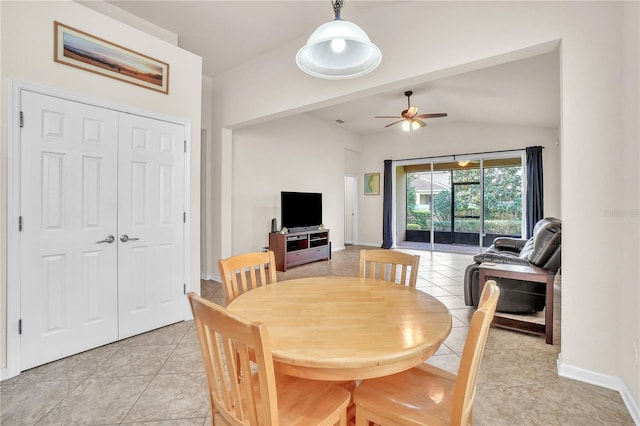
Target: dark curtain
387, 235
535, 189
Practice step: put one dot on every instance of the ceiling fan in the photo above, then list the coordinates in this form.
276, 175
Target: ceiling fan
410, 116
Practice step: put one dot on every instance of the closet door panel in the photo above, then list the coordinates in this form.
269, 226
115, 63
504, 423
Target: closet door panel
68, 187
150, 223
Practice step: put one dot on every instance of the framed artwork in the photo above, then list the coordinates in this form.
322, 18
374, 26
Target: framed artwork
81, 50
372, 184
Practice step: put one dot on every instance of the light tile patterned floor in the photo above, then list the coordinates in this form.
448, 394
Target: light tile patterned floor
157, 378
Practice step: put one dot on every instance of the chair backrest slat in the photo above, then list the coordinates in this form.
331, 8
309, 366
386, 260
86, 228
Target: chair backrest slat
384, 265
238, 273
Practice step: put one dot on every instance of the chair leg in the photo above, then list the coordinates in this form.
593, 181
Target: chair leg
351, 414
213, 411
361, 417
344, 417
364, 416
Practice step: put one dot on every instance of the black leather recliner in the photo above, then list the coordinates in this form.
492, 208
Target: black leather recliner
541, 250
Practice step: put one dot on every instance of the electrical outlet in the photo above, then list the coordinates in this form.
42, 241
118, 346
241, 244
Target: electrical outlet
635, 353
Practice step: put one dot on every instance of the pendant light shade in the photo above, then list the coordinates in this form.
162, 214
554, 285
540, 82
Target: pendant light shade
338, 50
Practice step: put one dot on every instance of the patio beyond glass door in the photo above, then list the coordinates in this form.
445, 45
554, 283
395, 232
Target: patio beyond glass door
464, 203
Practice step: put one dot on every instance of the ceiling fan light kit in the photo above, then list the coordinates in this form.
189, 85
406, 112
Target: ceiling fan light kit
409, 117
410, 125
338, 50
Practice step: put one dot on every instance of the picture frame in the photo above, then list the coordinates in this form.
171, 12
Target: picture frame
372, 184
84, 51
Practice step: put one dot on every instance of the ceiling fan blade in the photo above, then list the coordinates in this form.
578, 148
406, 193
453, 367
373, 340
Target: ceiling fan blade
436, 115
420, 122
412, 111
387, 116
395, 122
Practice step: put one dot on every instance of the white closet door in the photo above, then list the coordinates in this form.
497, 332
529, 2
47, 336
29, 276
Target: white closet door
151, 206
69, 208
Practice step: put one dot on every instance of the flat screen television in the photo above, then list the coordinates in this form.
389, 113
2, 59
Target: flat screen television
300, 210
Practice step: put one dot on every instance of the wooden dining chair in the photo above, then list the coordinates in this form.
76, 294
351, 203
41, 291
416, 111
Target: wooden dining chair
384, 265
247, 271
243, 395
427, 395
239, 275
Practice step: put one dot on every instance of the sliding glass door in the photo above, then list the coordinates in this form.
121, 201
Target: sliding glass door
463, 205
503, 199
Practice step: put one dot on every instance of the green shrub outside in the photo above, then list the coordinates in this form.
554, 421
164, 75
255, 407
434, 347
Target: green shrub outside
503, 227
502, 203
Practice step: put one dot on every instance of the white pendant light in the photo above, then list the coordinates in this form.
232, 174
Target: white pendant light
338, 50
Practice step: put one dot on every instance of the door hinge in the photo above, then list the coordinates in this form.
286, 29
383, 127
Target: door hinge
184, 289
20, 224
20, 326
185, 146
184, 217
21, 119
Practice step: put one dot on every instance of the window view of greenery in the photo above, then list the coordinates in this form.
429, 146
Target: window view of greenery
421, 203
502, 200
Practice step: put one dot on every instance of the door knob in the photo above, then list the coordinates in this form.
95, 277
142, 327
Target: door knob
109, 240
124, 238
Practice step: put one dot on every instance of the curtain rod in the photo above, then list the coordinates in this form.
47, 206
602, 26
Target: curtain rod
471, 153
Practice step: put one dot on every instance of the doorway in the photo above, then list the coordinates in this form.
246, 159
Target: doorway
350, 209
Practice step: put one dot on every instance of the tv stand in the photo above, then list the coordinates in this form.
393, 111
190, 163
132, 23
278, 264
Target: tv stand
298, 248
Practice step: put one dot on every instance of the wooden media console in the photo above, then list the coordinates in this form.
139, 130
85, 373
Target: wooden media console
298, 248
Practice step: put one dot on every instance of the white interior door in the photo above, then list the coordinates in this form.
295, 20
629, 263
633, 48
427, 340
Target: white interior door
69, 209
350, 205
150, 224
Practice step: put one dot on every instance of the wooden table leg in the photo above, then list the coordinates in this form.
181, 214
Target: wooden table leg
548, 310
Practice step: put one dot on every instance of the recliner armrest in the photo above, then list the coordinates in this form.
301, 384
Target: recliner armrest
508, 243
507, 257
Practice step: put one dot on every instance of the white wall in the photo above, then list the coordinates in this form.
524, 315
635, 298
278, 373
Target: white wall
439, 139
599, 136
301, 154
629, 221
27, 55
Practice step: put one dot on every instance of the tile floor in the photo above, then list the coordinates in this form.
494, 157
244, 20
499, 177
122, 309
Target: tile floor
157, 378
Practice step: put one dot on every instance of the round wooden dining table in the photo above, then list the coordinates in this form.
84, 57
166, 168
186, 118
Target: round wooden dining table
346, 328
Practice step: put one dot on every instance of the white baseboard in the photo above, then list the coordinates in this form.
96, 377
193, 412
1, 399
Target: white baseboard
378, 245
4, 374
632, 406
603, 380
206, 277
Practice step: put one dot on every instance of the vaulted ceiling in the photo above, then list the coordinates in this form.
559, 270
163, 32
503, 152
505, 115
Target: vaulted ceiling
228, 33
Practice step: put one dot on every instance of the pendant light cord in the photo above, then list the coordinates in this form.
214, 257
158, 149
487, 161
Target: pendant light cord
337, 5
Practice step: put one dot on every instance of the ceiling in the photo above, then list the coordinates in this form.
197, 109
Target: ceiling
228, 33
524, 92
